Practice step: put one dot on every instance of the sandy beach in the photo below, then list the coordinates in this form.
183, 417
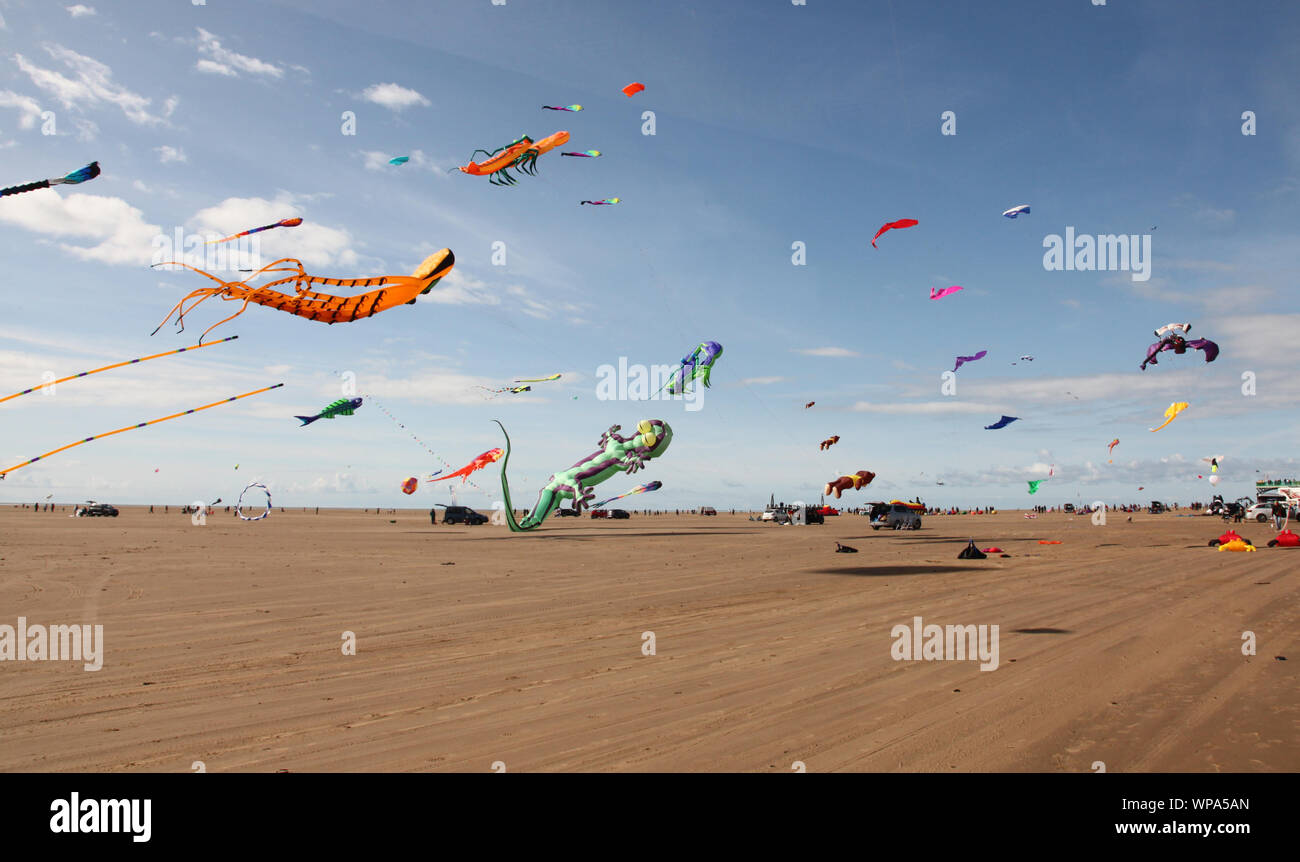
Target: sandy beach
222, 644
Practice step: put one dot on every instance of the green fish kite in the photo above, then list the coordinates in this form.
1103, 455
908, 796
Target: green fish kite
342, 407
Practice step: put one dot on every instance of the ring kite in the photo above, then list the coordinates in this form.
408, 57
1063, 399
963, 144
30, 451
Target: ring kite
521, 155
393, 290
284, 222
962, 360
1172, 413
80, 175
139, 425
577, 483
893, 225
240, 502
1002, 423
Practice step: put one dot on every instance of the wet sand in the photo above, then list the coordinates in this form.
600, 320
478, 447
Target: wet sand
475, 645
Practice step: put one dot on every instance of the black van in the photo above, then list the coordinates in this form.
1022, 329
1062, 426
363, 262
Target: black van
461, 515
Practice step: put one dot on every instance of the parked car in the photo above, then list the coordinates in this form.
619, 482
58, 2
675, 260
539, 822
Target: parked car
895, 516
708, 510
1068, 507
620, 514
91, 509
566, 512
1157, 508
600, 513
1260, 512
463, 515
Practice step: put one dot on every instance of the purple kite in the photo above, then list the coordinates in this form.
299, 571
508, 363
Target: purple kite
961, 360
1173, 337
940, 294
1002, 423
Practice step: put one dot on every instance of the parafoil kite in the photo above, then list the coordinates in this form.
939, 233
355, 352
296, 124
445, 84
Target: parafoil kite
1173, 336
1173, 411
606, 202
962, 360
1015, 211
940, 294
829, 442
399, 160
284, 222
139, 425
577, 483
571, 108
585, 154
1002, 423
893, 225
80, 175
393, 290
697, 366
853, 482
342, 407
488, 457
641, 489
521, 155
632, 89
410, 485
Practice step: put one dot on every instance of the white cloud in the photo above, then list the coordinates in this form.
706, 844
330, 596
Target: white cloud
394, 97
29, 110
829, 351
223, 61
761, 381
119, 231
92, 85
3, 26
168, 154
923, 407
80, 11
460, 289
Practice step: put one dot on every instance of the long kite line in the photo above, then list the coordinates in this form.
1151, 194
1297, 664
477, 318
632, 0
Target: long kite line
139, 425
114, 365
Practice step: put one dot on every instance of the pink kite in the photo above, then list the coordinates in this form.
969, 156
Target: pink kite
903, 222
632, 89
940, 294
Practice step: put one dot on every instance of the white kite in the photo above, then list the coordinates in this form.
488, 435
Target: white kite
1015, 211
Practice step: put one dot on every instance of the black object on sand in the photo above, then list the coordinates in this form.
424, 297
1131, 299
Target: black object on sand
844, 549
971, 552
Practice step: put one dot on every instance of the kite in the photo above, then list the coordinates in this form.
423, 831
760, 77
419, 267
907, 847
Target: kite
1015, 211
1213, 461
1026, 358
488, 457
585, 154
1174, 409
829, 442
940, 294
962, 360
409, 485
512, 389
284, 222
1112, 445
1002, 423
642, 489
1173, 336
697, 366
240, 502
342, 407
114, 365
521, 155
577, 483
570, 108
538, 379
893, 225
809, 404
81, 175
601, 203
632, 89
1033, 485
393, 290
853, 482
139, 425
399, 160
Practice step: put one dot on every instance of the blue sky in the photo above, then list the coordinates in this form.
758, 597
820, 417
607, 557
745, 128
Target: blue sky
774, 124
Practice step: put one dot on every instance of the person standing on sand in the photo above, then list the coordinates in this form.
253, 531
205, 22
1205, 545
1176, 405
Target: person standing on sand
1279, 514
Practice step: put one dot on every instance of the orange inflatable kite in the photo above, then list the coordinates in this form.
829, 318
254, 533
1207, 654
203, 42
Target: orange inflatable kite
632, 89
394, 290
521, 154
